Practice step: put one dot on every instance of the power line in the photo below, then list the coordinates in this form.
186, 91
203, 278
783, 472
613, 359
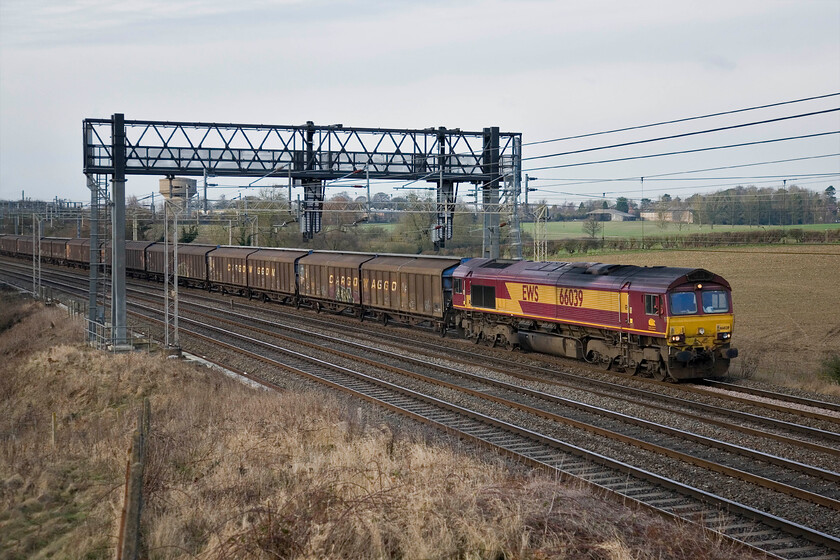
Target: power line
682, 120
592, 181
685, 151
683, 135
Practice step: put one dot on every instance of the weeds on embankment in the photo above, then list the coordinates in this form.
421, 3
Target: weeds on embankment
236, 472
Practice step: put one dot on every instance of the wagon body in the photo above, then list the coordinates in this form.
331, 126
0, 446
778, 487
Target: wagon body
408, 285
273, 271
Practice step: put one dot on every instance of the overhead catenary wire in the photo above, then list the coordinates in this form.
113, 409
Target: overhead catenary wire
659, 175
682, 135
686, 119
689, 151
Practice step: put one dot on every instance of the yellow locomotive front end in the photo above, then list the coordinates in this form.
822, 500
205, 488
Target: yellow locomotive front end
699, 330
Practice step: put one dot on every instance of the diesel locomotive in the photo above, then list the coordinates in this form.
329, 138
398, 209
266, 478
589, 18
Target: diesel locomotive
668, 323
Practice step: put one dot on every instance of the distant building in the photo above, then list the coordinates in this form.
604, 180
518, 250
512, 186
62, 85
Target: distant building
676, 215
609, 215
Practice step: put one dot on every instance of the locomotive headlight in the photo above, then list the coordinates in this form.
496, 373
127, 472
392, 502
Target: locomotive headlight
677, 338
724, 336
701, 330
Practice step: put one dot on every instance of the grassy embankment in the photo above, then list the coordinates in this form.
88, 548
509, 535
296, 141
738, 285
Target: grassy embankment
236, 472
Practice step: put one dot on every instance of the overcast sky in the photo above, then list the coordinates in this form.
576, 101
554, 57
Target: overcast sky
547, 69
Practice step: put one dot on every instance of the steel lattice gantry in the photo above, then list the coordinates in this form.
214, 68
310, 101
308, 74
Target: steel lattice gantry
310, 155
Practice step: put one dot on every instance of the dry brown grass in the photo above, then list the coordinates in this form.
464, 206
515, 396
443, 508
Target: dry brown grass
235, 472
787, 307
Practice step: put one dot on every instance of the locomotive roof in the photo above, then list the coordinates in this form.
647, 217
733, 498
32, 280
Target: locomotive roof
586, 274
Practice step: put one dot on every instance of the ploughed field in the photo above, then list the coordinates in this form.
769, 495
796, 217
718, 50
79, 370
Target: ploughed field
787, 305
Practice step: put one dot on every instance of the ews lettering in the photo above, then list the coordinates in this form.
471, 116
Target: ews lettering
530, 292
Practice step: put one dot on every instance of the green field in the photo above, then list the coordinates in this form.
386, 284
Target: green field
574, 229
568, 230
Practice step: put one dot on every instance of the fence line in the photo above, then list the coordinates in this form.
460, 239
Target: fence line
128, 547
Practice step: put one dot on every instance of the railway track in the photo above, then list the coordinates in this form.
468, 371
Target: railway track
459, 351
767, 532
503, 366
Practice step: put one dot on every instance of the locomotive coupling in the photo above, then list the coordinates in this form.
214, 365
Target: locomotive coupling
685, 356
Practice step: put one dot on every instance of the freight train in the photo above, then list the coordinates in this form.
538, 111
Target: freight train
662, 322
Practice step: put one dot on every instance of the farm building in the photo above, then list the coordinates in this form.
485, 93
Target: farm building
609, 215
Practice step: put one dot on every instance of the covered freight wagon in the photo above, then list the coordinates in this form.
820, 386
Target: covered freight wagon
331, 280
54, 249
228, 268
272, 274
135, 256
9, 244
192, 262
408, 289
78, 252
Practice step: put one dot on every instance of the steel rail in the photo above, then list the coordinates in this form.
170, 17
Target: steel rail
772, 395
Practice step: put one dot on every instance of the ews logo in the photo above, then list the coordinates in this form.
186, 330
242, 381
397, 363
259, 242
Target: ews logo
530, 292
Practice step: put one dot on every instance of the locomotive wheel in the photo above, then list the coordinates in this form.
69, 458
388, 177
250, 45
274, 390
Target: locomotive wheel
662, 374
599, 360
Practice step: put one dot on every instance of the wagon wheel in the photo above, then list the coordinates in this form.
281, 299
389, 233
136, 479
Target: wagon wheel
605, 362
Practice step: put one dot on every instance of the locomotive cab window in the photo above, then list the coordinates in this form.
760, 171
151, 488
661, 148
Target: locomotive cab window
652, 304
683, 303
715, 302
459, 286
484, 296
